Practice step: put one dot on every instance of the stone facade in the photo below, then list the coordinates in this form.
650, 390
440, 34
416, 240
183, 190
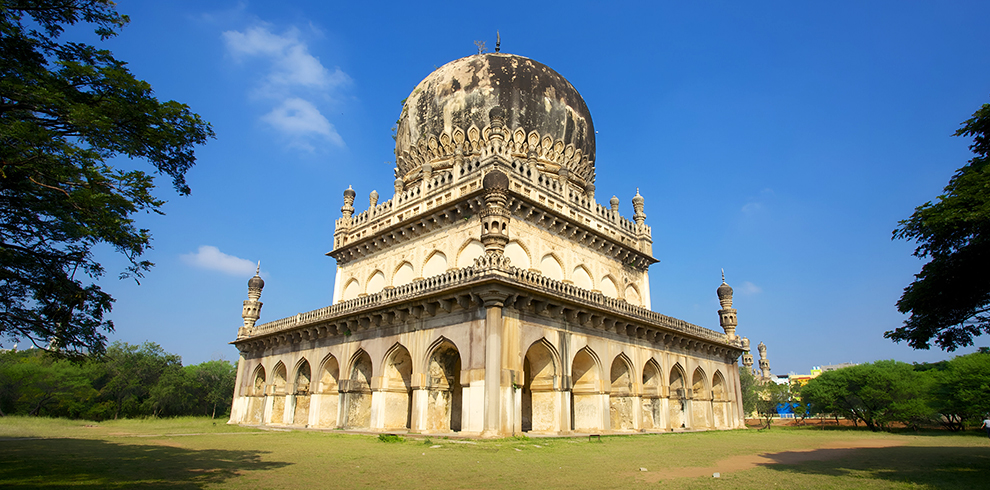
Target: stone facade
491, 295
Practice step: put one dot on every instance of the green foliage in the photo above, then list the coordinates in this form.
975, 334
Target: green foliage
949, 301
128, 381
67, 109
390, 438
961, 391
769, 396
748, 385
876, 394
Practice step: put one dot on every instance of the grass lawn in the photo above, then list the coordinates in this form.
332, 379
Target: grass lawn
195, 453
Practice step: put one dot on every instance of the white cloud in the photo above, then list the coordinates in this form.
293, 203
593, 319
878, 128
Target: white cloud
211, 258
749, 288
757, 204
294, 79
300, 117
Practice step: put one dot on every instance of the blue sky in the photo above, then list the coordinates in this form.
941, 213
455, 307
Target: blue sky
781, 141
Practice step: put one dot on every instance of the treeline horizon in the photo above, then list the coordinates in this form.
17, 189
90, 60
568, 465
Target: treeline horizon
953, 394
126, 381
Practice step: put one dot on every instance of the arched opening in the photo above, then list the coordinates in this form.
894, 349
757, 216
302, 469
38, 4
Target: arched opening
397, 388
652, 406
620, 401
376, 283
517, 255
551, 267
328, 392
256, 402
358, 392
678, 395
403, 275
470, 251
632, 296
540, 398
701, 401
300, 414
720, 400
607, 287
435, 265
443, 413
278, 394
582, 278
586, 393
351, 290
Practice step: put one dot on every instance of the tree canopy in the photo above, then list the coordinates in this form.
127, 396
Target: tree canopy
949, 300
67, 109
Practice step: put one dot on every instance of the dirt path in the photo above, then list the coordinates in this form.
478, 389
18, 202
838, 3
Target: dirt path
748, 461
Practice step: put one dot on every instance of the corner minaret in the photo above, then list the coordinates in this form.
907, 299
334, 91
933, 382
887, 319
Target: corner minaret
764, 362
747, 357
495, 217
252, 307
727, 315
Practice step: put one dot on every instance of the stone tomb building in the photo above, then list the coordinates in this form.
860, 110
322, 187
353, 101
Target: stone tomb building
491, 295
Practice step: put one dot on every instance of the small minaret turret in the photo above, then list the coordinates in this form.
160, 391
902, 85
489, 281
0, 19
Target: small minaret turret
764, 362
495, 217
727, 315
747, 357
614, 204
252, 307
638, 215
348, 209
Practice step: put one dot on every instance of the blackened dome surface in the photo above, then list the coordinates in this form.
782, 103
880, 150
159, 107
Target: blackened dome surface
724, 291
495, 180
256, 282
439, 114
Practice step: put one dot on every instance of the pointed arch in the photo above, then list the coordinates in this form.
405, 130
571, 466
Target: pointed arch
443, 371
608, 286
719, 389
351, 290
470, 250
677, 381
518, 254
652, 405
360, 369
552, 267
581, 277
258, 383
403, 274
652, 379
302, 377
376, 282
620, 375
541, 379
699, 384
357, 399
279, 378
329, 374
586, 397
397, 385
435, 264
632, 295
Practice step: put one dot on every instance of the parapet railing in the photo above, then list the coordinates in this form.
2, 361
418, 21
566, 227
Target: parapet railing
477, 273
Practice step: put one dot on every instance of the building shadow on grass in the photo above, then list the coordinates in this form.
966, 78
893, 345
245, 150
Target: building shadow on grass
937, 467
82, 463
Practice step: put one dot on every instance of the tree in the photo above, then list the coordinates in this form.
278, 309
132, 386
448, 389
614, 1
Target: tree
876, 394
67, 109
961, 391
130, 373
949, 301
748, 384
215, 386
769, 397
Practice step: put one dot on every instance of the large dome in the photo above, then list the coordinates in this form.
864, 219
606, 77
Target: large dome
450, 115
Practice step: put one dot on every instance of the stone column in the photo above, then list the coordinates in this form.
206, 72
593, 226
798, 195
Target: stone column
493, 363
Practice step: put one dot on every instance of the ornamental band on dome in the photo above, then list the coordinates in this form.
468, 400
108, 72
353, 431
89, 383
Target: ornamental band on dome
492, 295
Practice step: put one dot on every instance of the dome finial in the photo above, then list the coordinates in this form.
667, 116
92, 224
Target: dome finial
498, 41
258, 270
723, 275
